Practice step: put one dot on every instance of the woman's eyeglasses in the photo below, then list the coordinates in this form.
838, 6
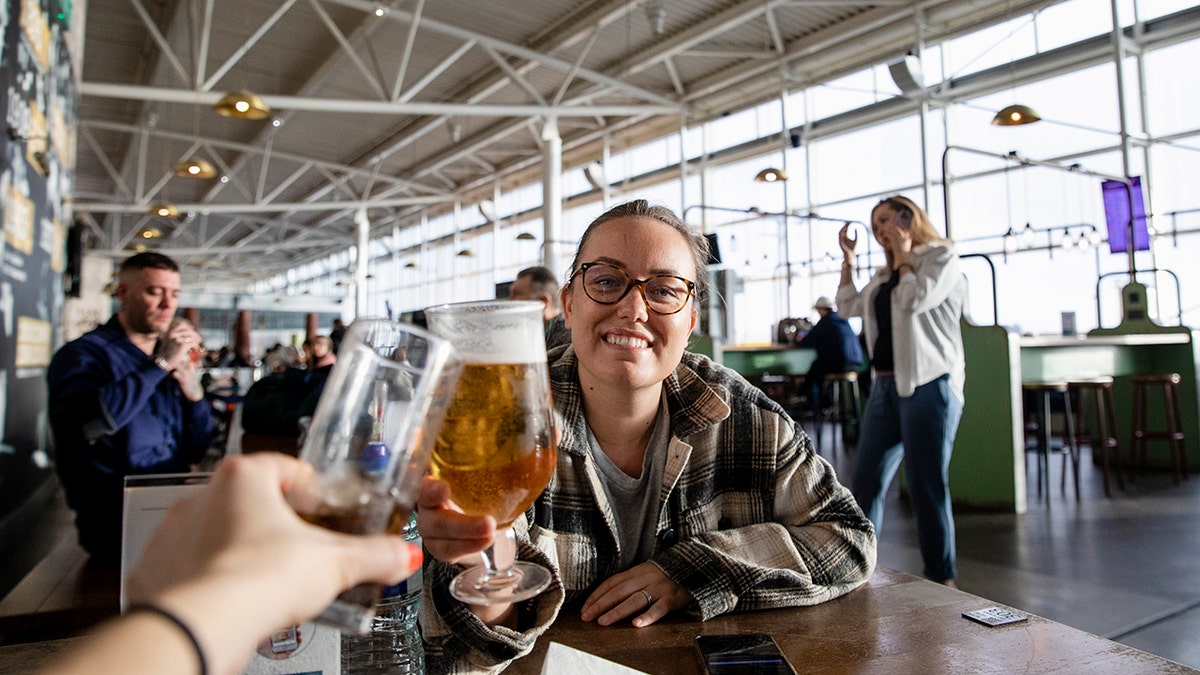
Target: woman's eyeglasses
607, 284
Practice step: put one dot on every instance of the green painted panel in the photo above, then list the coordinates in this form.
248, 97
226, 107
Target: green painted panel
987, 467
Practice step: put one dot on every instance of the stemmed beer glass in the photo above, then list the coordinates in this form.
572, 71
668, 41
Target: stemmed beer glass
370, 439
497, 447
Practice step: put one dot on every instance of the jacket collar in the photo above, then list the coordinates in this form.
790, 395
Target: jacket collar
692, 402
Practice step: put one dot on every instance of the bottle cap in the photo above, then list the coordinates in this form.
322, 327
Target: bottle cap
374, 457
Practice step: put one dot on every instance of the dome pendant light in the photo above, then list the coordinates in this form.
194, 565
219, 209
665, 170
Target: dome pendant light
195, 167
1015, 115
770, 175
243, 104
164, 210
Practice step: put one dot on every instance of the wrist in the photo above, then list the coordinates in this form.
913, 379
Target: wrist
183, 631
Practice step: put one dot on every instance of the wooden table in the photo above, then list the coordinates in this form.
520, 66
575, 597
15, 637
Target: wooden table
897, 623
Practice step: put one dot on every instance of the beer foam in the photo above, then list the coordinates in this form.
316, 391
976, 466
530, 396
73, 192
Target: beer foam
496, 347
492, 332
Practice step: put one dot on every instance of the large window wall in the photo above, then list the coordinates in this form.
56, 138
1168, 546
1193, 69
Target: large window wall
777, 264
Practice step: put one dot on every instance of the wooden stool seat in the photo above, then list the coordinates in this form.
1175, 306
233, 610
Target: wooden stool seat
1042, 391
1172, 434
1105, 438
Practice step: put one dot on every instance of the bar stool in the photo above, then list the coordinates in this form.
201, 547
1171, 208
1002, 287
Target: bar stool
1042, 391
842, 391
1173, 434
1105, 437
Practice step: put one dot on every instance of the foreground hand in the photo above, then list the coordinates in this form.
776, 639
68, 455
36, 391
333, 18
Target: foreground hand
235, 562
622, 596
449, 534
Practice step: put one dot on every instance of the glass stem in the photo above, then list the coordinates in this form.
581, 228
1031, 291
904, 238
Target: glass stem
500, 556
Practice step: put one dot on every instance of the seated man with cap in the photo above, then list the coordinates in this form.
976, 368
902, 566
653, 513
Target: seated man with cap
838, 348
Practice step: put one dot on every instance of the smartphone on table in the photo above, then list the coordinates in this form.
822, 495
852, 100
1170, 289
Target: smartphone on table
742, 654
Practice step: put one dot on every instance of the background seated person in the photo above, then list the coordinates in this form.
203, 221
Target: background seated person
125, 399
679, 487
538, 283
273, 406
838, 348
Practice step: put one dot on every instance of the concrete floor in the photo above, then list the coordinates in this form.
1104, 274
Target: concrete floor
1125, 568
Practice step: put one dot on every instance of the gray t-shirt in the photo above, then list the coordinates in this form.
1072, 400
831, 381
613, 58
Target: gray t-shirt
635, 501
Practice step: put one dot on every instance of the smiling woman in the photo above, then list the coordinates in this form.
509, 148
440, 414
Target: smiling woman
679, 487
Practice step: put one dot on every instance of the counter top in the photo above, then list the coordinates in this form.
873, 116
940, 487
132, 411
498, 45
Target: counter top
1105, 340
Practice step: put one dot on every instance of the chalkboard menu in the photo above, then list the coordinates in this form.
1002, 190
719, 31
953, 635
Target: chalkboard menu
35, 183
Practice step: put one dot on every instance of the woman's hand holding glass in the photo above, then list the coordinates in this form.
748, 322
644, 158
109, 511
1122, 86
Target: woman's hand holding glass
449, 534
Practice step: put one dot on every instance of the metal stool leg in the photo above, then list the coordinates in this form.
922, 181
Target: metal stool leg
835, 395
1044, 444
1175, 440
1137, 441
1108, 427
1069, 446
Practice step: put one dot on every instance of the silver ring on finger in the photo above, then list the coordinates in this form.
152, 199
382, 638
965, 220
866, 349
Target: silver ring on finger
649, 598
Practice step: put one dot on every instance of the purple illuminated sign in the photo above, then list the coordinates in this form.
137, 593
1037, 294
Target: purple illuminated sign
1116, 213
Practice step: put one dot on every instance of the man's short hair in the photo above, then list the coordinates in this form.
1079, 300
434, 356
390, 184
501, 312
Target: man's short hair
541, 280
148, 260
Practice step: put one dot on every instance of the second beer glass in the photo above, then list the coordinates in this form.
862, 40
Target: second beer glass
497, 447
370, 440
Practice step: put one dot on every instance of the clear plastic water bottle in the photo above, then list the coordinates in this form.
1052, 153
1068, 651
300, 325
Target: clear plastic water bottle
394, 643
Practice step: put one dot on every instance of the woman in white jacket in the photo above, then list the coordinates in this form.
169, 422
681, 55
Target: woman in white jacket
910, 311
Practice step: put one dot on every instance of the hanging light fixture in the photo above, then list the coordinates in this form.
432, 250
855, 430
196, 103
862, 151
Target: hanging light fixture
466, 253
1067, 241
164, 210
410, 265
149, 232
242, 104
1015, 115
1028, 236
195, 167
770, 175
1010, 241
526, 236
1084, 244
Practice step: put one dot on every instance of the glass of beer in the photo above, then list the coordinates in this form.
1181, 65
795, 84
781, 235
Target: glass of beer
497, 447
370, 438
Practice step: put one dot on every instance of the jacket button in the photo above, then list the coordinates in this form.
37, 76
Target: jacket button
668, 537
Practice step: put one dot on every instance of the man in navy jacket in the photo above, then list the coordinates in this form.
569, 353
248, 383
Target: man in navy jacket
126, 399
838, 348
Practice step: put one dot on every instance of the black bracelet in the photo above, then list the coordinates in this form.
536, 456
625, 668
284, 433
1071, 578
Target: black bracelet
155, 609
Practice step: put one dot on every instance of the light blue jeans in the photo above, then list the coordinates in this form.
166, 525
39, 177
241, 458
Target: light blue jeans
920, 430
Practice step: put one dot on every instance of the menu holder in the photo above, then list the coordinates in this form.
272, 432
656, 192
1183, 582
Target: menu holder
147, 499
307, 648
